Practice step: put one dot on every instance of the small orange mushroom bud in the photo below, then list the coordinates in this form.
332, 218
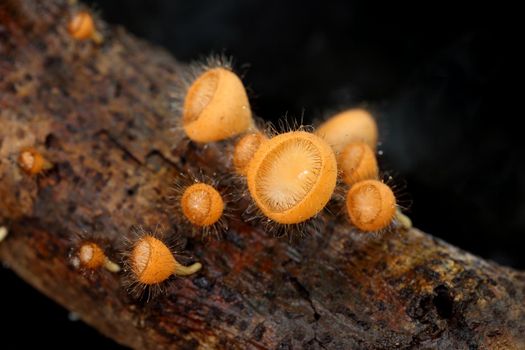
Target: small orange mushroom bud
349, 126
216, 107
245, 150
82, 27
358, 162
202, 204
32, 162
152, 262
292, 176
91, 256
371, 205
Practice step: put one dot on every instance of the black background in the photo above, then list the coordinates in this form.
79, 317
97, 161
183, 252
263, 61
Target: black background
443, 80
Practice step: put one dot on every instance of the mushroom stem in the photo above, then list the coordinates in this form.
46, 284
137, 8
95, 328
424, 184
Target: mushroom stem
404, 220
181, 270
3, 233
111, 266
97, 37
46, 165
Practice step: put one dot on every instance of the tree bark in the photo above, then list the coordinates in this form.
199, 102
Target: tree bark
102, 115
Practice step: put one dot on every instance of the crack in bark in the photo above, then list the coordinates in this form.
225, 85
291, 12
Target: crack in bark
304, 293
120, 146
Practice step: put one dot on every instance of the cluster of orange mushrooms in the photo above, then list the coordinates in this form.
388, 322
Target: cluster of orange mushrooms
290, 176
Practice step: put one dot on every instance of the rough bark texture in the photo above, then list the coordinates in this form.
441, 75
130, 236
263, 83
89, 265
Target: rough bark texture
102, 115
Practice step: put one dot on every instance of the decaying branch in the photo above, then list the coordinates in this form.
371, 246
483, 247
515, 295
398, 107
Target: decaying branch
101, 114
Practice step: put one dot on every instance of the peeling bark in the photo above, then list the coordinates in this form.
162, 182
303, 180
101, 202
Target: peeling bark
102, 116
